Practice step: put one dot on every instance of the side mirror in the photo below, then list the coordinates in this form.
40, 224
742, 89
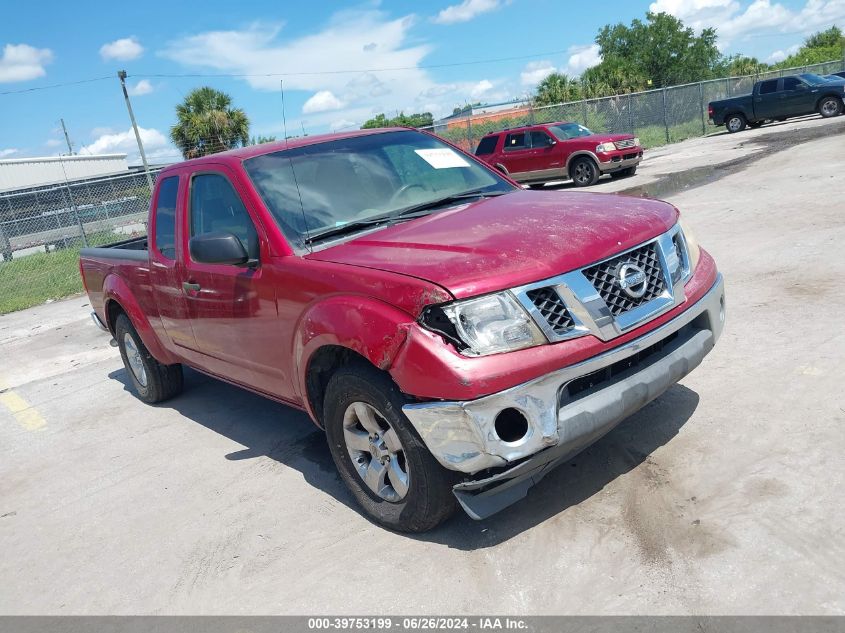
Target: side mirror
219, 247
551, 141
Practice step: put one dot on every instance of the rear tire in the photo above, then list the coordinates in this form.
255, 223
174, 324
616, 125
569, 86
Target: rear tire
405, 489
584, 172
152, 381
830, 107
735, 123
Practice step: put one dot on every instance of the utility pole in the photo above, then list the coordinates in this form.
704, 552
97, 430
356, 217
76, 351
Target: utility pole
122, 76
67, 138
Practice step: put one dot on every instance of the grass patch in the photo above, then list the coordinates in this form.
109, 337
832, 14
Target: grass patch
32, 280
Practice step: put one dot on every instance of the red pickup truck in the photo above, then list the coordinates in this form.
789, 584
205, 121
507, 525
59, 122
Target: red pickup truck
455, 336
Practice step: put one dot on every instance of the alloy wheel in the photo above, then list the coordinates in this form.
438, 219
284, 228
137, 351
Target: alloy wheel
376, 451
133, 357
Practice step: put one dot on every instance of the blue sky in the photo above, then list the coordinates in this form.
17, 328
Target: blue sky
44, 43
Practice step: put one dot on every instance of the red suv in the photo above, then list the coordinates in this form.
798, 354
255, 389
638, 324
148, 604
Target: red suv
536, 154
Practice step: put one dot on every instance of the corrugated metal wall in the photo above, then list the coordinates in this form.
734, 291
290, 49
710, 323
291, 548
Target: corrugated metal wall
20, 173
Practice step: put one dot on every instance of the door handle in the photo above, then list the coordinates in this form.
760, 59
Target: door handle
190, 287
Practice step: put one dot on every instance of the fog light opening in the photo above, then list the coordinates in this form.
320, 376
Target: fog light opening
511, 425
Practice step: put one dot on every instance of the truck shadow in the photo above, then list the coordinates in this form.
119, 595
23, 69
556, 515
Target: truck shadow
269, 429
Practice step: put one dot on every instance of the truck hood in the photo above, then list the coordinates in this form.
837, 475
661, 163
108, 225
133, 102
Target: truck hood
507, 241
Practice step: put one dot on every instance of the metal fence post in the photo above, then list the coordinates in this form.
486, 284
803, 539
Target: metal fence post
5, 245
665, 116
701, 103
584, 104
469, 134
631, 113
78, 219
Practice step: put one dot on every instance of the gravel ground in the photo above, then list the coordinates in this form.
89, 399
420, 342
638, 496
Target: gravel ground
722, 497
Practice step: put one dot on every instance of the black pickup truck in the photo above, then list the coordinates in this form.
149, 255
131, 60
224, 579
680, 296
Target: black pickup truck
779, 99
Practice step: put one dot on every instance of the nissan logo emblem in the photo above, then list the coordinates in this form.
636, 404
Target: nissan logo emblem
632, 280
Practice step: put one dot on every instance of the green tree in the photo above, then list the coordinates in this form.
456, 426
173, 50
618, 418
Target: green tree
557, 88
740, 65
258, 140
824, 46
660, 49
207, 123
422, 119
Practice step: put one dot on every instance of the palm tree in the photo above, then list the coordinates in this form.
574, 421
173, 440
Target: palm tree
557, 88
207, 124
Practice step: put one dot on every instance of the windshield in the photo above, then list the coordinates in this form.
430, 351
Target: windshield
326, 185
566, 131
813, 80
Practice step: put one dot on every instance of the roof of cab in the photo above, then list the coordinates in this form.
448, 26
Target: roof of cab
242, 153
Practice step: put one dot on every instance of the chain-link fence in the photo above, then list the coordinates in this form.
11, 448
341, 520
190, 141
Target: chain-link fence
657, 117
42, 229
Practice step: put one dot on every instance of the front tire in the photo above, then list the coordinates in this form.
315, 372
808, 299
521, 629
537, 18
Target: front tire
152, 381
735, 123
830, 107
584, 172
381, 459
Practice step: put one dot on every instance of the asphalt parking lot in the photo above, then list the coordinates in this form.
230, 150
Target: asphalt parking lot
724, 496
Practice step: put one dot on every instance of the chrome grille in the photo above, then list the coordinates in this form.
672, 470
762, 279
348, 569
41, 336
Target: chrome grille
625, 144
552, 309
605, 278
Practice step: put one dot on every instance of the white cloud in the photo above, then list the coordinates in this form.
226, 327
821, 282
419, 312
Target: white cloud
53, 142
735, 21
481, 89
780, 55
535, 72
156, 146
124, 49
5, 153
143, 87
581, 58
465, 11
322, 101
261, 49
22, 62
342, 124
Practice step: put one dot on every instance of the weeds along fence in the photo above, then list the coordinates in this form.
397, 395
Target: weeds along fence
657, 117
42, 229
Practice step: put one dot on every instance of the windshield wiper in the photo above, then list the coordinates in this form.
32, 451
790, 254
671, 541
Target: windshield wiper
349, 227
455, 197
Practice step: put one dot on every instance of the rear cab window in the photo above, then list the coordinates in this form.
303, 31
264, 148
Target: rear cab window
515, 141
165, 217
769, 86
487, 145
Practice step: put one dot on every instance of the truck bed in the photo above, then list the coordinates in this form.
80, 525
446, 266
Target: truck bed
134, 248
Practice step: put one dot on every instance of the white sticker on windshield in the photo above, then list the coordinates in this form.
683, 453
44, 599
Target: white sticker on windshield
442, 158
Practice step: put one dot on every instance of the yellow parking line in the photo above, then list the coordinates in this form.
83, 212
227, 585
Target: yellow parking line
25, 414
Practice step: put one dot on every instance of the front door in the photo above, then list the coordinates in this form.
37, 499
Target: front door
767, 102
797, 97
546, 156
233, 307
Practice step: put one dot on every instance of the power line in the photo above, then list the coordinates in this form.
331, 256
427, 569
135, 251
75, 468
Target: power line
61, 85
353, 71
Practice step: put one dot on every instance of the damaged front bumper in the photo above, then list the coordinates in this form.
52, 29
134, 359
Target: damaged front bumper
566, 410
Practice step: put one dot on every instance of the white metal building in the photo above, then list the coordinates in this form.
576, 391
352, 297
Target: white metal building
21, 173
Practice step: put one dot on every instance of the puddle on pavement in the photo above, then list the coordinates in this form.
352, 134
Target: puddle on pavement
670, 184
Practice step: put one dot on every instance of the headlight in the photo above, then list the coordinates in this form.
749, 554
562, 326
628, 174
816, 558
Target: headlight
636, 141
693, 248
486, 325
603, 148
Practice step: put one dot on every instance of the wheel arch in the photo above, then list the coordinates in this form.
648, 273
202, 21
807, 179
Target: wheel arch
580, 154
